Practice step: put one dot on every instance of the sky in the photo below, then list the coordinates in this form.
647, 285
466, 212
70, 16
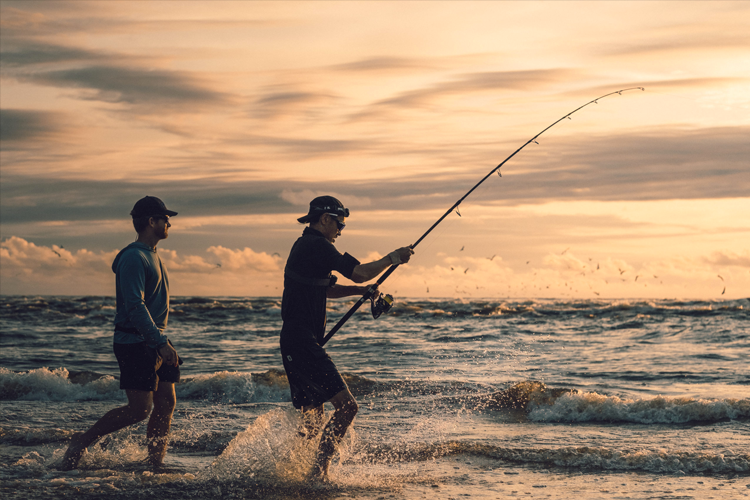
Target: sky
238, 113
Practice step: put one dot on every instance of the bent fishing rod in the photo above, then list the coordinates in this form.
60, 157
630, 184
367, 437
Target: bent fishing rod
370, 293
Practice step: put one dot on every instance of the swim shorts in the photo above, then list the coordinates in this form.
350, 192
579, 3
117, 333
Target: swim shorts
313, 378
138, 367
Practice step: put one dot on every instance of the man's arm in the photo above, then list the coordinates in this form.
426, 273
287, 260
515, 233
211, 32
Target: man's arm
338, 291
132, 279
366, 272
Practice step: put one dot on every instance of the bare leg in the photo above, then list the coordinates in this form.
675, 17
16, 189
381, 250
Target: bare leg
345, 409
312, 421
160, 422
137, 409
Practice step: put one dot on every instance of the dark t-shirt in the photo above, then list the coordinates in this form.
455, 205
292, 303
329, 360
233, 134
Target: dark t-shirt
303, 305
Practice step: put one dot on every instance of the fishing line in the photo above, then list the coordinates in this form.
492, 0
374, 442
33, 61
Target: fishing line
370, 293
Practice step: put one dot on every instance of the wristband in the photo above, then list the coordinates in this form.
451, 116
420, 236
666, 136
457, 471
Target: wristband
395, 258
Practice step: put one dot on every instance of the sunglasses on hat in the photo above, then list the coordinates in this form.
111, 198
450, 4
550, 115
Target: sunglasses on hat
340, 225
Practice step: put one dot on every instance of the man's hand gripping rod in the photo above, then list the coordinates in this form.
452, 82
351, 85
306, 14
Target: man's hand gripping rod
372, 290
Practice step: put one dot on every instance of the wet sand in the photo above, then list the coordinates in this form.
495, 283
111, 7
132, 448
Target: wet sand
453, 477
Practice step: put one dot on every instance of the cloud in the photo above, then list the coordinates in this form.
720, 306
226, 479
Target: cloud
300, 149
279, 103
384, 63
23, 127
477, 82
29, 268
304, 197
300, 198
131, 81
26, 257
652, 165
565, 275
715, 83
729, 259
133, 86
649, 165
63, 18
246, 259
16, 53
30, 198
26, 268
714, 40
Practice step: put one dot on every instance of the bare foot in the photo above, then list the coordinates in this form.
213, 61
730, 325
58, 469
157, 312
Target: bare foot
318, 475
73, 454
155, 465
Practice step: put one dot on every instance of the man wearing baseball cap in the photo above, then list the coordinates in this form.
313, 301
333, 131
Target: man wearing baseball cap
313, 378
149, 365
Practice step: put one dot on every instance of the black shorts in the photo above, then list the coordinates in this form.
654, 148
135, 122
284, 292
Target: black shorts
313, 378
138, 367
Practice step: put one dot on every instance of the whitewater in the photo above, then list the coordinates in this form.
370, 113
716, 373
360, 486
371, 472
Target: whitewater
458, 398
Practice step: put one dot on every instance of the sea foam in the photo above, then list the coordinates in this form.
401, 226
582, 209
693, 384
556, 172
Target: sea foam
593, 407
235, 387
43, 384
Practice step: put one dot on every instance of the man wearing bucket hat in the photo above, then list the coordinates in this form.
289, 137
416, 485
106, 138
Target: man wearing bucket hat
313, 378
149, 365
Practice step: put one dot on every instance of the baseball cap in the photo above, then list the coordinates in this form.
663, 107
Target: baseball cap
324, 204
150, 205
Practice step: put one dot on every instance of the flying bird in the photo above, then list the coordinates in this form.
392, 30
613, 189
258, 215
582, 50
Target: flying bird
621, 271
565, 251
719, 275
466, 270
462, 249
493, 256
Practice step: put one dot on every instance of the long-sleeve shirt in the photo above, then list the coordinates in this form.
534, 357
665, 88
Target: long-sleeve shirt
142, 296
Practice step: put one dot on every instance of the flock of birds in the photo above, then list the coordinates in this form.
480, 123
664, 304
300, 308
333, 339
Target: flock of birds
621, 271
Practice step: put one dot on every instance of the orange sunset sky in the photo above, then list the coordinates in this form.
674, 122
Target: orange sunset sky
238, 113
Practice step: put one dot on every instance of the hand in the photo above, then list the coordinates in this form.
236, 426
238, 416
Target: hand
405, 254
168, 354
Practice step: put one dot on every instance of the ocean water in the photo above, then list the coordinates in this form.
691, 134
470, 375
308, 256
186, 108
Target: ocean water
458, 399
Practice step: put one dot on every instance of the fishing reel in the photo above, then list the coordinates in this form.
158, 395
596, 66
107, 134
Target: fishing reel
381, 305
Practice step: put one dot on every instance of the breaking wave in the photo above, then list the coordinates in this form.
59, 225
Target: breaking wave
593, 407
43, 384
542, 403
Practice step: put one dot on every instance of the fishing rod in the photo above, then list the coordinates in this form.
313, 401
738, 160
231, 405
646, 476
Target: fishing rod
370, 293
